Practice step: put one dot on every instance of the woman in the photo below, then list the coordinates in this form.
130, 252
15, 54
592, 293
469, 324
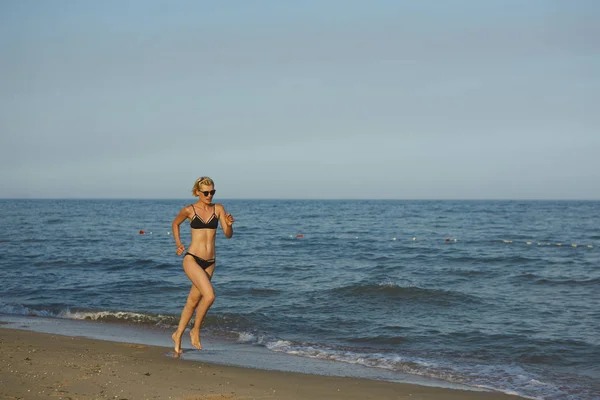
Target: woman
199, 260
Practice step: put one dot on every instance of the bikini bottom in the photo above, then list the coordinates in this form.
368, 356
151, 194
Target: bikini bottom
201, 261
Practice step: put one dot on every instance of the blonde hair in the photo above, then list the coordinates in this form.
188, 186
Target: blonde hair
203, 180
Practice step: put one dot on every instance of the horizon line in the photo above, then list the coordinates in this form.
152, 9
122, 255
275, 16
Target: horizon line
304, 199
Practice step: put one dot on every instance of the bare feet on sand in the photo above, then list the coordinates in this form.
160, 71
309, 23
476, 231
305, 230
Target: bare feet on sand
195, 337
177, 341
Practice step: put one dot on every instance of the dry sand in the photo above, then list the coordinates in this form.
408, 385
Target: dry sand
41, 366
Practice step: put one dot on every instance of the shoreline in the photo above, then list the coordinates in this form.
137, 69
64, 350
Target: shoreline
41, 365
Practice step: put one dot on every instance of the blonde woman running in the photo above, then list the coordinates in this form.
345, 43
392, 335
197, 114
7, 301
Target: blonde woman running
200, 259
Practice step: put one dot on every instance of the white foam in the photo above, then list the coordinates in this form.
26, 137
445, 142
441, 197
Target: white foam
18, 309
507, 379
97, 315
388, 283
125, 316
245, 337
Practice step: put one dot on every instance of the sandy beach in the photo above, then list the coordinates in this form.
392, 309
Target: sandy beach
38, 365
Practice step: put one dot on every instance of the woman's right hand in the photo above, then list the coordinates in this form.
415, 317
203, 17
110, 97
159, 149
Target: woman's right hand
180, 249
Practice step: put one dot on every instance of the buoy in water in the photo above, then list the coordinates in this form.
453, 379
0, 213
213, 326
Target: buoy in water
142, 232
447, 239
299, 236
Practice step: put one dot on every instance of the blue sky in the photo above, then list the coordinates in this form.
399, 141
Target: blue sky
305, 99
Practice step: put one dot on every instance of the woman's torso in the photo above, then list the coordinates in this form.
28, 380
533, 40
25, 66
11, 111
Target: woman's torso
203, 226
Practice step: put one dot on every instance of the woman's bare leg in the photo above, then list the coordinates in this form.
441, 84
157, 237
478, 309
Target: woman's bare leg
201, 311
200, 298
186, 314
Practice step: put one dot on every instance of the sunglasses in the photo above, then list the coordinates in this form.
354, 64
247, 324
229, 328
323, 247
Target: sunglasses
212, 193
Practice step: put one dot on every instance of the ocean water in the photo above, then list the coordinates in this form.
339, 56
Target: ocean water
492, 294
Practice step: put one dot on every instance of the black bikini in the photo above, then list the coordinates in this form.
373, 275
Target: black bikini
198, 223
201, 261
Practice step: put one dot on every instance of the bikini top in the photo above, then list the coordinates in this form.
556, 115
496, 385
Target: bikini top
198, 223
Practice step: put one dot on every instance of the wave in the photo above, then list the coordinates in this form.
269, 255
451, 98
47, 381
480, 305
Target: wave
264, 292
472, 273
525, 348
17, 309
392, 291
223, 324
93, 315
492, 260
32, 240
381, 339
123, 316
557, 281
507, 378
109, 264
152, 265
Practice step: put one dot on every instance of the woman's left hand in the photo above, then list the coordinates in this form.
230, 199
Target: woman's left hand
229, 219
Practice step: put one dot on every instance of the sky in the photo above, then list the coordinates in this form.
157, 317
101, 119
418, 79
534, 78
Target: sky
419, 99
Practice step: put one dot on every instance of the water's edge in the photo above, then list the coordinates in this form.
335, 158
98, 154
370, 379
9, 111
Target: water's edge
215, 351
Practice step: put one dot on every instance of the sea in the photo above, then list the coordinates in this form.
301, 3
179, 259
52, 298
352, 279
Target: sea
498, 295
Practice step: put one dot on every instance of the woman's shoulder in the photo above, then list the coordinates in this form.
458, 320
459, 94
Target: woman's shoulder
187, 209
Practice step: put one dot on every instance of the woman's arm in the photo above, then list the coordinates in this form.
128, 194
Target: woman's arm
226, 221
182, 216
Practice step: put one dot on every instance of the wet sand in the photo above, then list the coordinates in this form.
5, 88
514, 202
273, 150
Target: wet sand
40, 366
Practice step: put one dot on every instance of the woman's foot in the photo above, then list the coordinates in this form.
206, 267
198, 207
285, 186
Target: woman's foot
177, 342
195, 337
